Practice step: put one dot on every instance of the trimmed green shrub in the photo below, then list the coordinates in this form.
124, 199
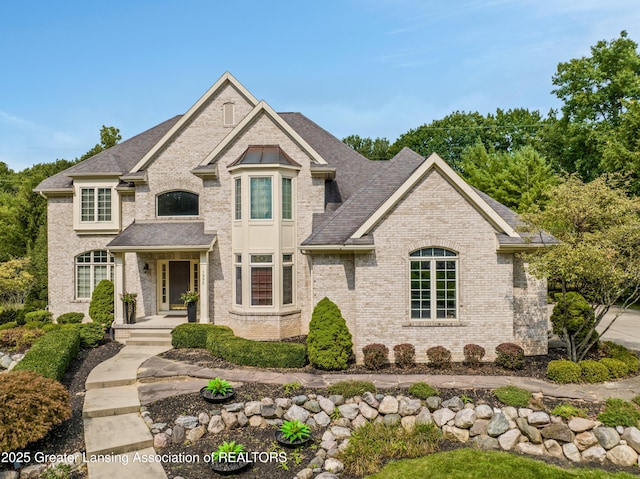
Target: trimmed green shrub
262, 354
376, 356
9, 325
404, 355
194, 335
351, 388
10, 315
473, 354
19, 339
439, 356
509, 356
51, 355
422, 390
41, 315
70, 318
329, 341
568, 411
34, 325
593, 371
563, 371
51, 327
617, 351
101, 306
91, 334
619, 413
617, 368
31, 406
513, 396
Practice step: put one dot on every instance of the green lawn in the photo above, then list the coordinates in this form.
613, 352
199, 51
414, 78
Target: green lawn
474, 464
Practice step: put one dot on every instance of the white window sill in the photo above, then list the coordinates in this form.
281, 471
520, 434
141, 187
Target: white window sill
430, 323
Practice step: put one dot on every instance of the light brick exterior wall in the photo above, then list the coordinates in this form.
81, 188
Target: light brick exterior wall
530, 321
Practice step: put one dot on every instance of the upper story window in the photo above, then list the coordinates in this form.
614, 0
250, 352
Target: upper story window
238, 199
287, 199
228, 114
261, 198
95, 204
91, 268
178, 203
434, 284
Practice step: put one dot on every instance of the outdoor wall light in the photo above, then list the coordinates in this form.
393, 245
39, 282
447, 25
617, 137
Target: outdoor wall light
145, 268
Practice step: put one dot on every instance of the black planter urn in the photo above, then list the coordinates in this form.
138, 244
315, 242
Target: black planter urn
129, 313
191, 311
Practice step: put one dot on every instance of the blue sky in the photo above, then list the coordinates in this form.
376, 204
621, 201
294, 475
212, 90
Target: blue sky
370, 67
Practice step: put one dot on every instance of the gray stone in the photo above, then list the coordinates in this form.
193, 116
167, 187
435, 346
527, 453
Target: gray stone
270, 411
194, 434
159, 425
391, 419
524, 412
484, 412
388, 405
340, 433
230, 420
342, 422
510, 412
312, 405
433, 403
479, 427
243, 420
275, 422
337, 399
326, 404
358, 422
187, 422
409, 407
5, 362
623, 456
252, 408
485, 442
284, 403
607, 437
442, 416
32, 472
465, 418
367, 411
333, 465
579, 424
455, 404
370, 399
595, 453
316, 462
160, 440
203, 418
553, 448
424, 416
257, 421
322, 419
178, 435
620, 429
350, 411
234, 407
9, 475
408, 423
529, 448
299, 400
296, 412
632, 436
585, 440
498, 424
327, 475
538, 418
453, 433
306, 473
559, 432
509, 439
529, 431
571, 452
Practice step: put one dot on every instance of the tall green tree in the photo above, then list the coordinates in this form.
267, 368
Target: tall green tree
598, 256
377, 149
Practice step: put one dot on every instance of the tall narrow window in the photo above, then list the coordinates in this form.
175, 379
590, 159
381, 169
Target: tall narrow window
261, 280
104, 204
261, 198
228, 114
91, 268
287, 213
238, 199
238, 268
287, 279
433, 284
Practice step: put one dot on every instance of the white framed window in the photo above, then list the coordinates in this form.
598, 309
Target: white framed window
261, 198
95, 204
238, 199
238, 277
91, 268
434, 284
261, 279
287, 199
287, 279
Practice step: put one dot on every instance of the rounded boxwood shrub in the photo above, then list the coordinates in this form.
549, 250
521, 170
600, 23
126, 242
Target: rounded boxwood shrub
194, 335
439, 356
593, 371
617, 368
376, 356
509, 356
91, 334
70, 318
329, 342
473, 354
31, 406
101, 306
40, 315
563, 371
617, 351
422, 390
404, 355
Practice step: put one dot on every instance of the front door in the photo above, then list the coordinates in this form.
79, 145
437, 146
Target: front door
175, 278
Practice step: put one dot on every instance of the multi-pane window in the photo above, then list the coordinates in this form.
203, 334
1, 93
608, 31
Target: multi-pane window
433, 284
287, 210
238, 270
95, 204
287, 279
261, 280
91, 268
178, 203
261, 198
238, 199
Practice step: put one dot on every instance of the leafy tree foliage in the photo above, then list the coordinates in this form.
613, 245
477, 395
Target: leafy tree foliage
377, 149
518, 179
572, 319
15, 281
599, 254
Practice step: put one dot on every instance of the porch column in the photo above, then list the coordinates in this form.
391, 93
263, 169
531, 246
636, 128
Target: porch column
118, 288
204, 287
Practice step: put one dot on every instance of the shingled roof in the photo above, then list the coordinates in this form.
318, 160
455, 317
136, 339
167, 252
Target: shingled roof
163, 235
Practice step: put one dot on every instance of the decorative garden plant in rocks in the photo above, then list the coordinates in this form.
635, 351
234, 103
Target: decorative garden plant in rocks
217, 391
293, 433
230, 457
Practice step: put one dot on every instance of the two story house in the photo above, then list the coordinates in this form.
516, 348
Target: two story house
266, 213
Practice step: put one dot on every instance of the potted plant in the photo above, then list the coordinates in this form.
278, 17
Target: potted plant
218, 390
293, 433
129, 300
229, 458
190, 298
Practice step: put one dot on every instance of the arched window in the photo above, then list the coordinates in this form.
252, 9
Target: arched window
91, 268
434, 284
178, 203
